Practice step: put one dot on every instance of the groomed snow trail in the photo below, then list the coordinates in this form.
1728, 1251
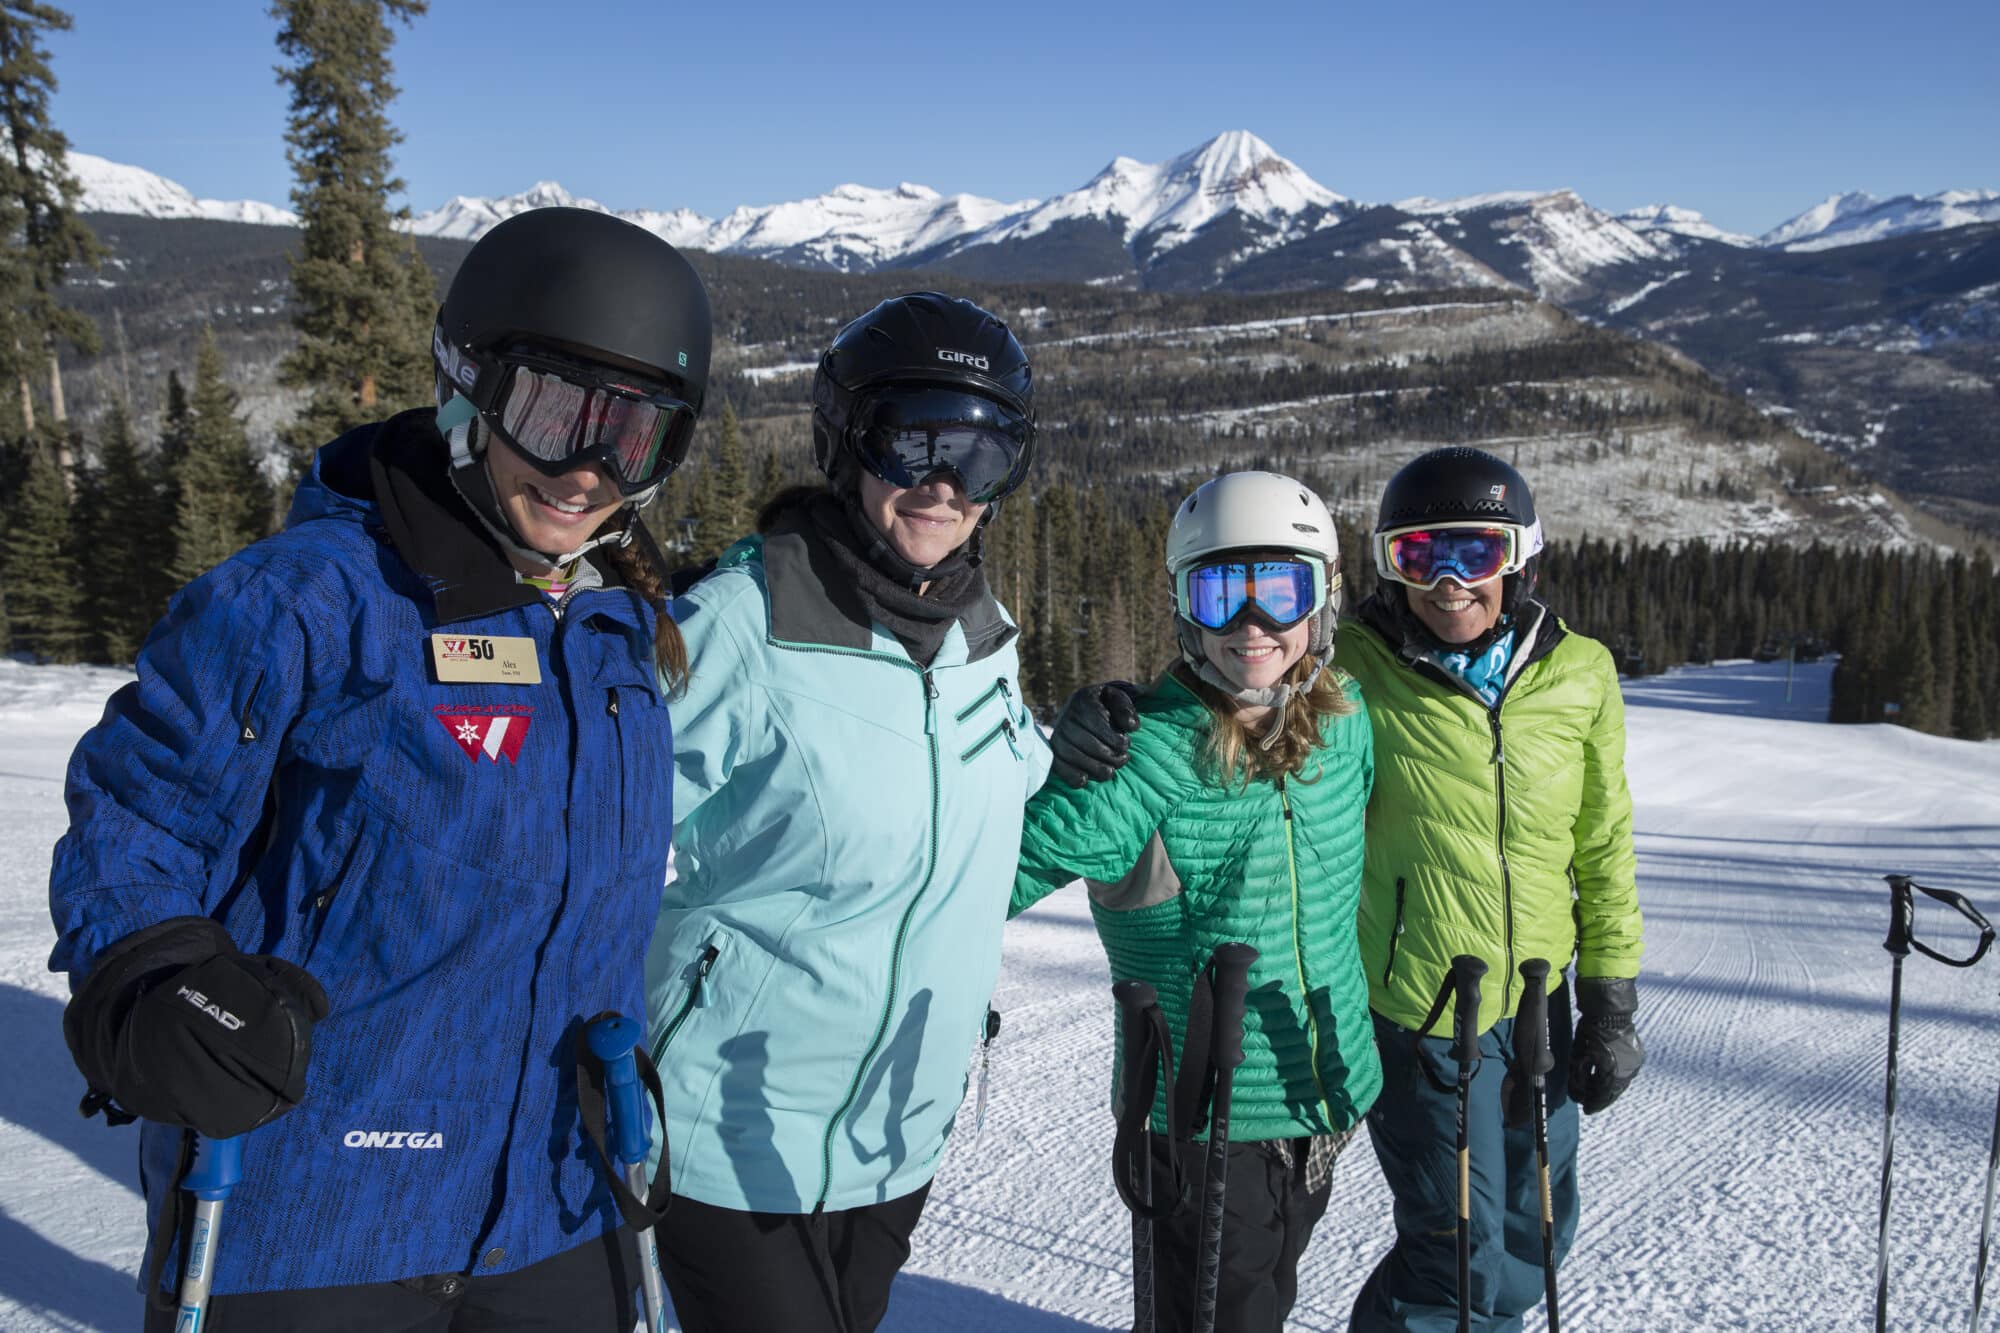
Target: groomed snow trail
1733, 1188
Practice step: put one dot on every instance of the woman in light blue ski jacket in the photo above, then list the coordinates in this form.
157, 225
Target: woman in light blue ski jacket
851, 760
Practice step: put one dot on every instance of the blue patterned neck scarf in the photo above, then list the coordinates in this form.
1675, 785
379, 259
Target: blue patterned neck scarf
1485, 673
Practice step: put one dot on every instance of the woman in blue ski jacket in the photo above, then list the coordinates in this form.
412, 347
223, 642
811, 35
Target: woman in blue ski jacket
851, 760
384, 820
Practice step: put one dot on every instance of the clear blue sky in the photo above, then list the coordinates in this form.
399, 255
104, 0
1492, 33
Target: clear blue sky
1748, 111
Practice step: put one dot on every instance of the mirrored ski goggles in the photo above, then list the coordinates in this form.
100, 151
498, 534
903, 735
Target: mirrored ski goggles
561, 417
907, 435
1472, 553
1221, 595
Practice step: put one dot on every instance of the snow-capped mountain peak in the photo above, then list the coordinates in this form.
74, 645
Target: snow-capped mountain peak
1855, 217
1680, 222
114, 187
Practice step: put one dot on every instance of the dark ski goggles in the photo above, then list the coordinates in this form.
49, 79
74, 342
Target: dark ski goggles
561, 415
1220, 595
1472, 553
906, 434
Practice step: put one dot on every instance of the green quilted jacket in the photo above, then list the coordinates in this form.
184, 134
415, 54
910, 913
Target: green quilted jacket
1177, 864
1505, 833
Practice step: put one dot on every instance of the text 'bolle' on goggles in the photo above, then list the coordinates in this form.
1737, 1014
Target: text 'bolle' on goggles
561, 414
1220, 595
906, 434
1472, 553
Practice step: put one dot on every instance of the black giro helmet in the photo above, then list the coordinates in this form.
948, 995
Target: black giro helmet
922, 339
584, 284
1455, 484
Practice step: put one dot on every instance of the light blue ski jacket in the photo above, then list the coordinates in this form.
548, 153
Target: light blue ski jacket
847, 825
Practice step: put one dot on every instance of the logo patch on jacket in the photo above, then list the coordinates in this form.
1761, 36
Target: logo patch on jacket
491, 730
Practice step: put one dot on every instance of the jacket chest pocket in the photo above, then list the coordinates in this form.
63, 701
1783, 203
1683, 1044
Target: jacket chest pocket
987, 724
642, 790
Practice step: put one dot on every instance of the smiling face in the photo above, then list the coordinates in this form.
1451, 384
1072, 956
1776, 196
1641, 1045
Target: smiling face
1454, 612
924, 523
1253, 657
553, 515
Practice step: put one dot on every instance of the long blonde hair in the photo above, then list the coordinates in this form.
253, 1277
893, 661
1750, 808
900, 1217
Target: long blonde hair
1238, 752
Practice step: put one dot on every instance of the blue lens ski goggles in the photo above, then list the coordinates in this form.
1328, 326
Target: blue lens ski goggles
1278, 592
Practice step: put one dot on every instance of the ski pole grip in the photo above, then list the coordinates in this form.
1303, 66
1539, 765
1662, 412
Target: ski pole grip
1134, 999
611, 1040
218, 1165
1466, 972
1531, 1024
1232, 986
1902, 921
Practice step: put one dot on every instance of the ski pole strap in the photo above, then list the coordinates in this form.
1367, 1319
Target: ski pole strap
1148, 1048
592, 1080
1903, 921
1196, 1084
176, 1224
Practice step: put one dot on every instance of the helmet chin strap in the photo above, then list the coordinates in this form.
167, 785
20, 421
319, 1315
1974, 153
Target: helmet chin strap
1319, 647
474, 483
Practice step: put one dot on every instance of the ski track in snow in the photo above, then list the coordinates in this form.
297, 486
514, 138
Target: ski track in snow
1734, 1187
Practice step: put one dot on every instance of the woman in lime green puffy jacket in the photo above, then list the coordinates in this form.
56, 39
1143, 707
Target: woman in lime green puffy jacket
1239, 817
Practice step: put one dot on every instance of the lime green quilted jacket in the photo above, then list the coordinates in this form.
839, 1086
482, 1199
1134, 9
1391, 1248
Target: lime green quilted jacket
1177, 864
1505, 833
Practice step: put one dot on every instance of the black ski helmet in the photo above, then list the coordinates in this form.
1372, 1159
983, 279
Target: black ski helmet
923, 338
1455, 484
581, 283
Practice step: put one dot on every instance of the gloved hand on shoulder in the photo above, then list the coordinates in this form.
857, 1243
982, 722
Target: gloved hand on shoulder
177, 1025
1088, 743
1605, 1055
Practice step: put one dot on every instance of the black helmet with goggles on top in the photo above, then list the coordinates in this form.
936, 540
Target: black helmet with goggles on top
923, 384
577, 338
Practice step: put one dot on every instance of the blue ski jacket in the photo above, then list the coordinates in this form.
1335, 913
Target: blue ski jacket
471, 870
849, 822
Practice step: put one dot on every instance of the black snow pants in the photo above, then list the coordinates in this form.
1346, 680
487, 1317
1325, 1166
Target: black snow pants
1268, 1215
592, 1288
730, 1271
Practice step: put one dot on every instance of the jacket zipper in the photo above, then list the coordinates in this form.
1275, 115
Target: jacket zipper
902, 927
1395, 934
709, 953
1005, 727
997, 687
1500, 846
1299, 954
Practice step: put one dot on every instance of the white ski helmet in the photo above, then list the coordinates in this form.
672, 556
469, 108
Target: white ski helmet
1255, 511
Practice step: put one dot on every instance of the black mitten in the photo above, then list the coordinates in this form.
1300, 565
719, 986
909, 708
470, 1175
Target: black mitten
177, 1026
1605, 1055
1088, 744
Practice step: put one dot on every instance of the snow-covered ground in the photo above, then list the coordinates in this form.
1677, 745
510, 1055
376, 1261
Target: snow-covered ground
1733, 1187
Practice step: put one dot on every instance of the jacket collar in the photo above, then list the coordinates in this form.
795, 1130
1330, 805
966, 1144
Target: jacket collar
1543, 631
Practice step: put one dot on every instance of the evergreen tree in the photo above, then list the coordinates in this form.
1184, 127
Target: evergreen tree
38, 215
726, 515
771, 480
363, 299
128, 544
38, 566
224, 504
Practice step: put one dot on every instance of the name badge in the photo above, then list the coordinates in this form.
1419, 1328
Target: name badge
485, 659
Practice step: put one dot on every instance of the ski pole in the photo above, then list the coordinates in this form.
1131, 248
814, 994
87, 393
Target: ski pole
612, 1039
1146, 1046
1986, 1221
1532, 1055
1902, 938
1230, 966
218, 1165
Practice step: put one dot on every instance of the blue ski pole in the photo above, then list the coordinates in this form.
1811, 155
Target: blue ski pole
611, 1041
218, 1165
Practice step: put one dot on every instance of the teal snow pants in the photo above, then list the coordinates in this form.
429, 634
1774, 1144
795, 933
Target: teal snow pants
1413, 1127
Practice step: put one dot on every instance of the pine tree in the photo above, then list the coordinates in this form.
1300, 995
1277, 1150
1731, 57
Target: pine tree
224, 502
46, 238
38, 566
128, 542
771, 480
363, 299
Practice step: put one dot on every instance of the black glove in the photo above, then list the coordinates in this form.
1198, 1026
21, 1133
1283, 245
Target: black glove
177, 1026
1089, 742
1605, 1054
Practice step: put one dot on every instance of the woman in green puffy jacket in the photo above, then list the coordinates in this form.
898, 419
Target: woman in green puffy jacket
1239, 817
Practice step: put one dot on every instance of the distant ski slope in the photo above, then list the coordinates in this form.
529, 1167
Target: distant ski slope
1733, 1188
